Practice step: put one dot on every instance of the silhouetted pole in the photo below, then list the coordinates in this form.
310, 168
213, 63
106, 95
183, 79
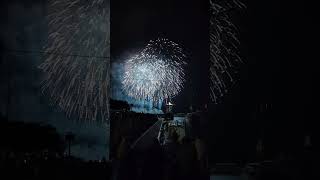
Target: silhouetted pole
69, 138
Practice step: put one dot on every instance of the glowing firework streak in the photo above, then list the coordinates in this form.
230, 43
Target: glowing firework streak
156, 73
224, 54
78, 84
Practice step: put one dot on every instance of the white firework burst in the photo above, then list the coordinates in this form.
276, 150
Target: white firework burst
76, 64
156, 73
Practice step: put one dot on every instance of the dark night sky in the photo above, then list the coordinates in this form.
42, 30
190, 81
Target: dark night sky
134, 23
23, 27
278, 47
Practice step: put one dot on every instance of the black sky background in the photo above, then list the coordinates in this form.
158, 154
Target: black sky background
134, 23
279, 53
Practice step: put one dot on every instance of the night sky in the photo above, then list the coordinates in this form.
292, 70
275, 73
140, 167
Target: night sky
279, 53
23, 27
278, 47
185, 22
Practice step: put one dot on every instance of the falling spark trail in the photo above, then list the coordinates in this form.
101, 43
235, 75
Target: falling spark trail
79, 85
224, 53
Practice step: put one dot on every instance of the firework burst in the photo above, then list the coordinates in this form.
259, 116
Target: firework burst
156, 73
224, 53
77, 63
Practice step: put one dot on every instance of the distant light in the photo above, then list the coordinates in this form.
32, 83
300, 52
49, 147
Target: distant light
170, 104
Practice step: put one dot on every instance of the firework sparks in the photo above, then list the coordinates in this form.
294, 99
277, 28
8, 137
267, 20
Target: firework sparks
224, 44
79, 83
156, 73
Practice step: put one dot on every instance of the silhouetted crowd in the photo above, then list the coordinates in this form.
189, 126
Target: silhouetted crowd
175, 160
